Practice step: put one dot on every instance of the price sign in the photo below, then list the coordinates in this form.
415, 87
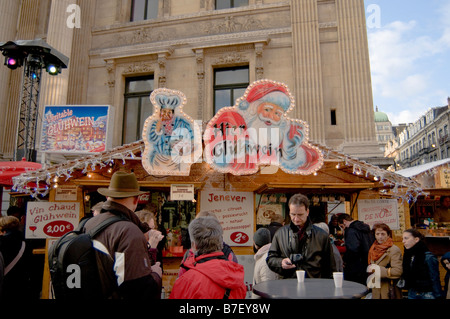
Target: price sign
235, 211
51, 219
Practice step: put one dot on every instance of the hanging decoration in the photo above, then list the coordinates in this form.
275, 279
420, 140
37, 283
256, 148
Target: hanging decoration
39, 182
172, 139
257, 131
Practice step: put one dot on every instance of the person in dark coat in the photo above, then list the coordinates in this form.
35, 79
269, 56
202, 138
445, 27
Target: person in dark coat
122, 252
420, 268
301, 245
276, 222
445, 260
358, 239
16, 280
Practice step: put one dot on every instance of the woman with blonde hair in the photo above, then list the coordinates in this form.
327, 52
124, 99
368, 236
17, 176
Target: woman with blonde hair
156, 237
388, 257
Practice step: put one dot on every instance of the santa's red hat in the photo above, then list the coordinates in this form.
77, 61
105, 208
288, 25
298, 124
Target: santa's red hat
267, 91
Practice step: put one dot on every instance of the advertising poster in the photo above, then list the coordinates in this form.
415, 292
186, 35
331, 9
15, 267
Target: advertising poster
51, 219
373, 211
74, 128
235, 213
267, 211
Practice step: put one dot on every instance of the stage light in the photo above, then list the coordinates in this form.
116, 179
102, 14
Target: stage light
12, 62
53, 69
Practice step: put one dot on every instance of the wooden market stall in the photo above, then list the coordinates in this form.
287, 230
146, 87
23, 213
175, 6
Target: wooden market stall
434, 179
341, 179
244, 165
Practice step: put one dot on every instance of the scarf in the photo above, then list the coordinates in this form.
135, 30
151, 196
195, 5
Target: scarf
377, 250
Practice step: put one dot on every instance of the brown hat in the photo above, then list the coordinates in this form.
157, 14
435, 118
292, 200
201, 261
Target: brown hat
122, 185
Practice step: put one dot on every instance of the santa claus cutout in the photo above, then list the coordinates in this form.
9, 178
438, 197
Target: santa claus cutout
256, 131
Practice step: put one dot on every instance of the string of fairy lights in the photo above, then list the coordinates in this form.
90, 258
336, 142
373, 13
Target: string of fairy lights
39, 183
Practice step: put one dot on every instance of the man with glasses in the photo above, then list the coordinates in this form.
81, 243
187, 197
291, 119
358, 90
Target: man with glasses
301, 245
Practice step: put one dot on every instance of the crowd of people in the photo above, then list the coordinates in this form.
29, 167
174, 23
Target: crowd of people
130, 260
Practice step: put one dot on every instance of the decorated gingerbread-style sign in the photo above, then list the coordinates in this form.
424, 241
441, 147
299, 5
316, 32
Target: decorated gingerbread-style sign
172, 139
257, 131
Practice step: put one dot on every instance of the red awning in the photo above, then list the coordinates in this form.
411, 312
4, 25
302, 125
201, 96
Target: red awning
10, 169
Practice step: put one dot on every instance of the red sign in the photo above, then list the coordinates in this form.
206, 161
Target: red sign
239, 237
56, 228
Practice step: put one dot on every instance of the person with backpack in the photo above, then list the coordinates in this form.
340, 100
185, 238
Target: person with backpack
358, 239
124, 264
209, 274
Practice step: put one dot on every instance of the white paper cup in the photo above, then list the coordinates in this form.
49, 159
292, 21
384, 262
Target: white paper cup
300, 275
338, 279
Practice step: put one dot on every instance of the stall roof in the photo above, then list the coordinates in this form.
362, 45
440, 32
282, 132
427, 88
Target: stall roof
344, 170
419, 169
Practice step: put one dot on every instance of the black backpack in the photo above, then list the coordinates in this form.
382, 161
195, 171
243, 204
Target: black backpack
73, 266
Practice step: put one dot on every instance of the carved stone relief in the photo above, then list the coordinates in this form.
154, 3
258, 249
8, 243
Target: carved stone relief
139, 67
228, 24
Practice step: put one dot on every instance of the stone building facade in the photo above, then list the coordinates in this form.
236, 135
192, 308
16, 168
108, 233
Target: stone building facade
120, 50
424, 141
383, 129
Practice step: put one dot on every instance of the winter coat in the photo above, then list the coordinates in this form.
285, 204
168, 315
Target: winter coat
261, 271
358, 240
16, 283
227, 251
446, 256
123, 256
390, 270
210, 276
421, 270
315, 248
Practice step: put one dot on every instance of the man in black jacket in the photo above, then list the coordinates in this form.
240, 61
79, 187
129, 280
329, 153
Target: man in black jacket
301, 245
358, 239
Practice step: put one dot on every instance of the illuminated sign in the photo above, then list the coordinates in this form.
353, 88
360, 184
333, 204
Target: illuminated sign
76, 128
256, 131
172, 139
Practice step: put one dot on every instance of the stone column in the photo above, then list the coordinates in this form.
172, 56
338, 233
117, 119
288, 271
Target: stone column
307, 67
259, 47
199, 57
54, 88
357, 87
8, 24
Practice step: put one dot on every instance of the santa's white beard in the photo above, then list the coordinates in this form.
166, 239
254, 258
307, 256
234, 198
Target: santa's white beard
262, 134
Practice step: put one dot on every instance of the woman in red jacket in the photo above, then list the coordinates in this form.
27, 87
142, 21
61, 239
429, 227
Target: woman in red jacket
210, 275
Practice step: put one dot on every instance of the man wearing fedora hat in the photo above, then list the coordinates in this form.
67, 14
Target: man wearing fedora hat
122, 250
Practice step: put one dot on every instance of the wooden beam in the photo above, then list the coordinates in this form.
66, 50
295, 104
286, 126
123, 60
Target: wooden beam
102, 183
349, 186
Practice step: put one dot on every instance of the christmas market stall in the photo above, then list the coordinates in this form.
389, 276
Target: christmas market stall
430, 214
243, 165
